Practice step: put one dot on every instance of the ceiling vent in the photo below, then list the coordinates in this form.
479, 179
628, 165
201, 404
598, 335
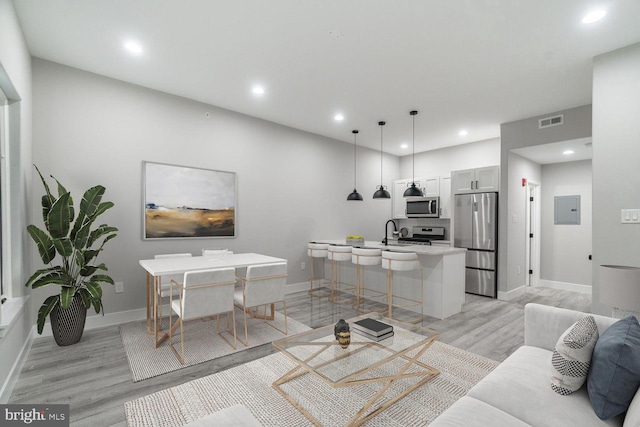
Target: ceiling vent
551, 121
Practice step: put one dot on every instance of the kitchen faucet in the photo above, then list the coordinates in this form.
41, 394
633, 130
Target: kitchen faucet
386, 226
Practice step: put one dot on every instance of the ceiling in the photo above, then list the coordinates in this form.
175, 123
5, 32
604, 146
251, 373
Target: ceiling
558, 152
463, 64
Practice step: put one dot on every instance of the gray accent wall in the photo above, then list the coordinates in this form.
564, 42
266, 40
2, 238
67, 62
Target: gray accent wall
292, 185
616, 160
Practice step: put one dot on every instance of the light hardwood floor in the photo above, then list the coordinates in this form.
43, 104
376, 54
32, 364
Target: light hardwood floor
93, 376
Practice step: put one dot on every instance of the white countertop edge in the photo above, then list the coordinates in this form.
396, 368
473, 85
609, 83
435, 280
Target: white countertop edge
418, 249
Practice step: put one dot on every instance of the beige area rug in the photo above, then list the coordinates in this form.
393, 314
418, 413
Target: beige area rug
201, 343
250, 385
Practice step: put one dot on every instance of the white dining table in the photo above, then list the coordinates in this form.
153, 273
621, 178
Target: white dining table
156, 268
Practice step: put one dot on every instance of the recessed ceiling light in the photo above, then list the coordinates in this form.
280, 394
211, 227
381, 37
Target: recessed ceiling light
568, 152
258, 90
594, 16
463, 133
338, 117
133, 47
404, 146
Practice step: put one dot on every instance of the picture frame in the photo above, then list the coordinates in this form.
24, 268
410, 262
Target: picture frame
184, 202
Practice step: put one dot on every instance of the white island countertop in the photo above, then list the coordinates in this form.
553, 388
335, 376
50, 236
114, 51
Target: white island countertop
393, 246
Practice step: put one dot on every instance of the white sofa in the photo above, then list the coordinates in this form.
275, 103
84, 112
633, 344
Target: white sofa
518, 392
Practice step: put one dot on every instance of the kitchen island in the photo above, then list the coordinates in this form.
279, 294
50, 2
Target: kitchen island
442, 277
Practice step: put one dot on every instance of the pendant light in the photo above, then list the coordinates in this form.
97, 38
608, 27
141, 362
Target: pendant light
381, 192
355, 195
413, 191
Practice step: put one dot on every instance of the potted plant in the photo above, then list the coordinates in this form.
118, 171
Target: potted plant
70, 238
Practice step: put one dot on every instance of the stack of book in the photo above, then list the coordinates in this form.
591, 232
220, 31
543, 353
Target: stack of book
372, 329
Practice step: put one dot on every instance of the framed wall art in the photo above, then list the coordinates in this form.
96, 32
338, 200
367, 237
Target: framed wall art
187, 202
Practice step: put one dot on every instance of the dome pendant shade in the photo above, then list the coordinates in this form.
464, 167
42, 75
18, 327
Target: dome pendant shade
381, 193
355, 195
412, 191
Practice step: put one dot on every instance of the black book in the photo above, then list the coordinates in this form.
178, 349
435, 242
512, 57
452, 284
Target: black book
372, 327
373, 337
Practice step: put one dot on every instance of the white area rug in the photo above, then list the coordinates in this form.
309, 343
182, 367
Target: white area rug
250, 385
201, 343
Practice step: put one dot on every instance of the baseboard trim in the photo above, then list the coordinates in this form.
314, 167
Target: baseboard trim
564, 286
112, 319
16, 369
509, 295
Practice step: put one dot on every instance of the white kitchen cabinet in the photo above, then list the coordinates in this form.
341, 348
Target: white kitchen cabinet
399, 202
476, 180
445, 197
430, 186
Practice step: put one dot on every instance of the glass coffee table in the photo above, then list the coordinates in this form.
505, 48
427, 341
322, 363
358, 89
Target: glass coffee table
390, 362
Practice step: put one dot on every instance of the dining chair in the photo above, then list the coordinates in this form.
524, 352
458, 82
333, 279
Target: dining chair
262, 285
165, 281
215, 252
203, 293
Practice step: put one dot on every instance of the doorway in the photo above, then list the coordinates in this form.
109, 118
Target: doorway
532, 237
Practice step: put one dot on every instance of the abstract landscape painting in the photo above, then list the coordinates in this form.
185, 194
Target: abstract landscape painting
184, 202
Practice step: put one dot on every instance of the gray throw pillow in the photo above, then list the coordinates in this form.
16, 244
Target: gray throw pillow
572, 356
614, 376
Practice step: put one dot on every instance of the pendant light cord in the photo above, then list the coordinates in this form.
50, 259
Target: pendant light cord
355, 145
413, 151
381, 124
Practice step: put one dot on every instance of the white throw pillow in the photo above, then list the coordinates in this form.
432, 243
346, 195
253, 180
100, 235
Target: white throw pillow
572, 356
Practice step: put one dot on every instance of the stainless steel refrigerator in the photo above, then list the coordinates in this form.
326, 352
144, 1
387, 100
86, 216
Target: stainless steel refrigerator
475, 227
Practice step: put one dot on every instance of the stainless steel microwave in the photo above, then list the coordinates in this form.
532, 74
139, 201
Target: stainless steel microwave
423, 207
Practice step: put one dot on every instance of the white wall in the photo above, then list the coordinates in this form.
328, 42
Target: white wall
525, 133
292, 185
616, 156
444, 160
15, 62
519, 168
565, 249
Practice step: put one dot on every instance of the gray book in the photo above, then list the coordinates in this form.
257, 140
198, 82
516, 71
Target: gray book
373, 337
372, 327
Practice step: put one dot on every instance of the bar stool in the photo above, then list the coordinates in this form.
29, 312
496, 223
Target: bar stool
338, 254
316, 250
402, 261
362, 257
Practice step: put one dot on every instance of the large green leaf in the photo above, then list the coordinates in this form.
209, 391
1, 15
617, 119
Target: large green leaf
35, 276
59, 218
90, 254
46, 249
102, 207
88, 270
91, 200
52, 278
45, 309
63, 246
61, 191
82, 237
102, 230
94, 289
86, 297
47, 202
103, 278
66, 296
44, 183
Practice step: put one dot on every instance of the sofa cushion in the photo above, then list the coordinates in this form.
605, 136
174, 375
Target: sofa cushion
632, 418
614, 376
572, 356
519, 386
470, 412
